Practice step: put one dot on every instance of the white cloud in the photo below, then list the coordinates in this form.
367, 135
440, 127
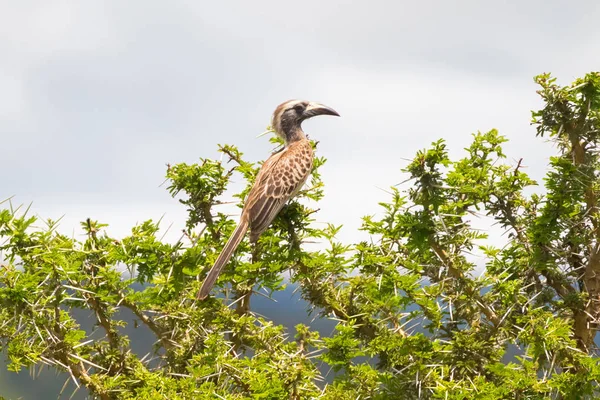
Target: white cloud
98, 97
12, 99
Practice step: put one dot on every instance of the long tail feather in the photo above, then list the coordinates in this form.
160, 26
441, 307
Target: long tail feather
233, 242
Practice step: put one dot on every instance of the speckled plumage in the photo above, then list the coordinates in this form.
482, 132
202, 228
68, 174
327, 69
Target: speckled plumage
280, 178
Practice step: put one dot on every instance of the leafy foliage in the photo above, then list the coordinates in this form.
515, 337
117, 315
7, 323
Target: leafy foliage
416, 315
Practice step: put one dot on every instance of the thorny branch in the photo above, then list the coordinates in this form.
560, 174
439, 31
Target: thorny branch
160, 333
456, 274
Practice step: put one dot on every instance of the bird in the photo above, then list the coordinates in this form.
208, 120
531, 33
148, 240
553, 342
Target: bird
279, 179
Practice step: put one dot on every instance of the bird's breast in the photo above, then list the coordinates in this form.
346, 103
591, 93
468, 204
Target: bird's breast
299, 160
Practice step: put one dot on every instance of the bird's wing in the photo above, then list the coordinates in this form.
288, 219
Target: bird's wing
280, 178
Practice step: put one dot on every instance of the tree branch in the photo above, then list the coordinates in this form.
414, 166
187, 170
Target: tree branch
455, 273
153, 326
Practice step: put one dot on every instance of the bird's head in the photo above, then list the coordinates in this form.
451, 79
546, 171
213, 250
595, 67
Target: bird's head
288, 117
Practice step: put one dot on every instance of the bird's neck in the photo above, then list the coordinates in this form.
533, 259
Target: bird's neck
294, 135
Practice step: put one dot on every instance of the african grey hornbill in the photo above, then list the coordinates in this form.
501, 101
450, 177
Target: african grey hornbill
279, 179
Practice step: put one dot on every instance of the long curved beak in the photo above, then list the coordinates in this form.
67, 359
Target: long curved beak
314, 109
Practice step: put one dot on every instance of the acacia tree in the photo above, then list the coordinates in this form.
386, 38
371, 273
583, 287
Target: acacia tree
414, 320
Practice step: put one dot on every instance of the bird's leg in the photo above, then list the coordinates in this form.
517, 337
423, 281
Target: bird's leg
244, 294
294, 242
255, 251
243, 303
291, 230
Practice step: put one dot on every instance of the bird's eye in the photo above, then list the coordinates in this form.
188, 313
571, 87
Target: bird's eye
299, 108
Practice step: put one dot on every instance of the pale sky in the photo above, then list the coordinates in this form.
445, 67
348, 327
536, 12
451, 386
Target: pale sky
96, 97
